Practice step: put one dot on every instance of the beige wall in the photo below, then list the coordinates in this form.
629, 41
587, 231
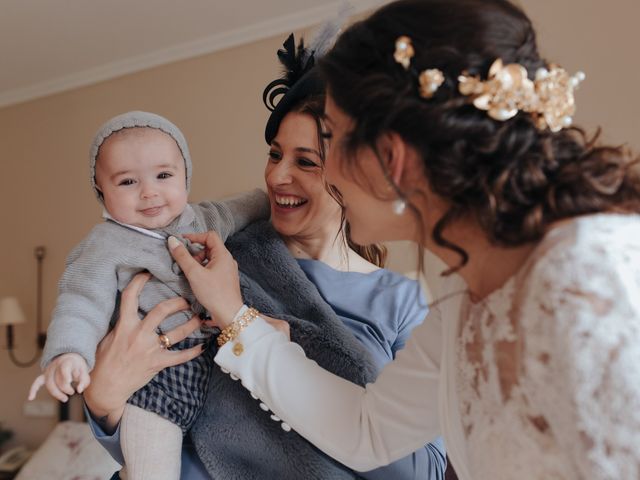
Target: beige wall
45, 197
600, 38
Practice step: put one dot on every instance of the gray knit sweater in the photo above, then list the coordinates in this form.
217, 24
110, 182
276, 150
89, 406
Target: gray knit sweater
99, 268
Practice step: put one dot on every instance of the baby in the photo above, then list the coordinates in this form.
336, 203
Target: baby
141, 172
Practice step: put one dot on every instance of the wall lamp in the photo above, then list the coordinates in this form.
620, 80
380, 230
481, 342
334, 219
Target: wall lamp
11, 314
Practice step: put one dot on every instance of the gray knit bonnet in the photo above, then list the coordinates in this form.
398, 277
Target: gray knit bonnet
132, 120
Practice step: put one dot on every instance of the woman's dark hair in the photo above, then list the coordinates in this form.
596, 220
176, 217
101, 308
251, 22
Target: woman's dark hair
514, 179
313, 106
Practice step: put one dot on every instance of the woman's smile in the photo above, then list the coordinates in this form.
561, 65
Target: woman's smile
294, 175
289, 202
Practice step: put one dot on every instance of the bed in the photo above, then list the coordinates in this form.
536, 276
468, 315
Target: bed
70, 452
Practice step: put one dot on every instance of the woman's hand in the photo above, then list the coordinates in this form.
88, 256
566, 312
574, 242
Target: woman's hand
132, 354
216, 284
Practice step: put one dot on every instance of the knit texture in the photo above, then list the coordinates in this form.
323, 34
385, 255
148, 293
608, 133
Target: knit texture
102, 265
151, 445
141, 120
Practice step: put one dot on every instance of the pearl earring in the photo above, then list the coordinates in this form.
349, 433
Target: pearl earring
399, 206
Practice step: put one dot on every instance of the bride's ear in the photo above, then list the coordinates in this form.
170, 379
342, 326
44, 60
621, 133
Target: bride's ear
393, 150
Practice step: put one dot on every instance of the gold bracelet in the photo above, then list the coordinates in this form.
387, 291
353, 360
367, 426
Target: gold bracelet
232, 331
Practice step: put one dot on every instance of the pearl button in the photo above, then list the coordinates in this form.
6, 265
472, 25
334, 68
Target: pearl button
275, 418
264, 407
254, 396
224, 370
233, 377
286, 427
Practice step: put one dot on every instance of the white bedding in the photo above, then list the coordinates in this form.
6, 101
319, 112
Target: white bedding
69, 453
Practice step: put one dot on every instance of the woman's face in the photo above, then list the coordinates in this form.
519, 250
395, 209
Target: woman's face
300, 203
370, 215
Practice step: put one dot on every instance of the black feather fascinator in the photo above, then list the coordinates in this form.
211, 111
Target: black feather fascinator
300, 79
296, 62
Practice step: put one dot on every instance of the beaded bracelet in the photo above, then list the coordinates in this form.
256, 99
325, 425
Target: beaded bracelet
231, 331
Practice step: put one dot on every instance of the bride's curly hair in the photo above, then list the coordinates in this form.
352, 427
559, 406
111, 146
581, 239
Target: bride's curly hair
514, 179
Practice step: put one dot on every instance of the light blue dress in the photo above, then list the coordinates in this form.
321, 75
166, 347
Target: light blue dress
380, 308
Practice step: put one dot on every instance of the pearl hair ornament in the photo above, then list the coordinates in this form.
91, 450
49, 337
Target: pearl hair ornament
429, 80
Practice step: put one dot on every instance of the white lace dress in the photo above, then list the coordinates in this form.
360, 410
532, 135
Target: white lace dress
549, 365
540, 380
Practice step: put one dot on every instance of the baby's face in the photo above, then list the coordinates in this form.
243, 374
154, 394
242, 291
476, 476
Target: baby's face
141, 175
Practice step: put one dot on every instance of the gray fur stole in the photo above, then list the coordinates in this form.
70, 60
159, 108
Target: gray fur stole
233, 437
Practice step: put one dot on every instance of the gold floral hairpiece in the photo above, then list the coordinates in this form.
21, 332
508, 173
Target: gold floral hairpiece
429, 80
548, 98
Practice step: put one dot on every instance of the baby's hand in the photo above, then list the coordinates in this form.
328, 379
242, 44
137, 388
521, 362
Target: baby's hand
64, 369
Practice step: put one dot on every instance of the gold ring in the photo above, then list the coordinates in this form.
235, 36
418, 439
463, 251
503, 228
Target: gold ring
164, 341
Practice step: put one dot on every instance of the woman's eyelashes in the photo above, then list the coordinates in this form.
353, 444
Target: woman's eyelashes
274, 156
165, 175
326, 135
303, 162
306, 163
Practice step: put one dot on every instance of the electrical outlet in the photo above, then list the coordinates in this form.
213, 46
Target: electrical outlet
40, 408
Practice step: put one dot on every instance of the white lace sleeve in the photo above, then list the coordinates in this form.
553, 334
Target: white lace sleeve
581, 322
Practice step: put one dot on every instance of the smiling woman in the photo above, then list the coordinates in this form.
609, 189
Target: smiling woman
376, 308
294, 175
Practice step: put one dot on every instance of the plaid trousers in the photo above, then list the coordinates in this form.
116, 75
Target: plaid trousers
178, 393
